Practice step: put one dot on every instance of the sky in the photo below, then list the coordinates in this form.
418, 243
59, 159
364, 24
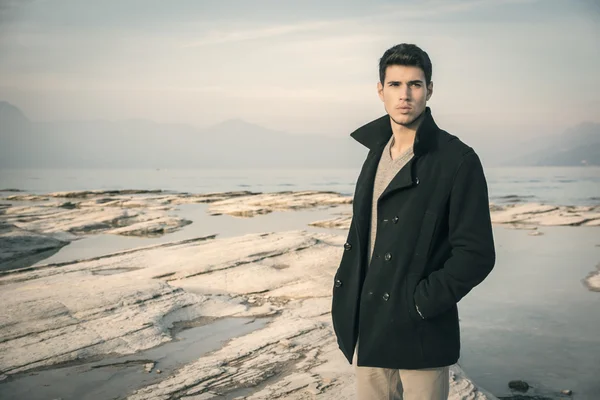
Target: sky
509, 68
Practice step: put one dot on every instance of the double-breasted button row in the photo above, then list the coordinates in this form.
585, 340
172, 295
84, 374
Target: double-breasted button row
385, 296
386, 256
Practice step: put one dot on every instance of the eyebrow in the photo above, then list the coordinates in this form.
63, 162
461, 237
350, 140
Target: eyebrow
409, 82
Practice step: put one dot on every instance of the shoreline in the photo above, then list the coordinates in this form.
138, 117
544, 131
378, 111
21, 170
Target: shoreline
224, 285
48, 222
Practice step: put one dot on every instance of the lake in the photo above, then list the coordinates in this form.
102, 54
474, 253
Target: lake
550, 185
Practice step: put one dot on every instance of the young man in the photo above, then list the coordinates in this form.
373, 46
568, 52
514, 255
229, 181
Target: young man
420, 239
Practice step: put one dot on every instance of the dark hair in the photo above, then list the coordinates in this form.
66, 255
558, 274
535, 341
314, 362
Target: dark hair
405, 54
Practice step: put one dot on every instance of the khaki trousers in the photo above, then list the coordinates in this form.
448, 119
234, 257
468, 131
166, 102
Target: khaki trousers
401, 384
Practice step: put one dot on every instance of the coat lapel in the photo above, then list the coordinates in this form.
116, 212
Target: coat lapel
363, 197
375, 136
402, 180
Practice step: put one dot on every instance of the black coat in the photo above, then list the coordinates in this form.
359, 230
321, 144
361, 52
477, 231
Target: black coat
434, 243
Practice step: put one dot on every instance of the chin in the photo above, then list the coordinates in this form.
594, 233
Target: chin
404, 119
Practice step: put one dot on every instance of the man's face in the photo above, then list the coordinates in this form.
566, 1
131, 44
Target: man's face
404, 93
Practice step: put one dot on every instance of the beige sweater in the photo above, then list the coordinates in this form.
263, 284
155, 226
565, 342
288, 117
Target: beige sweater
386, 170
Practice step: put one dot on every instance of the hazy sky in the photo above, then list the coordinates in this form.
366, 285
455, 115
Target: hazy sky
509, 67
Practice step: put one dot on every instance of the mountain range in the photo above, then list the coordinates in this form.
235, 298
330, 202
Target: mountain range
231, 144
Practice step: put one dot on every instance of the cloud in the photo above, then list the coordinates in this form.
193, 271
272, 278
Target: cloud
377, 14
224, 36
430, 8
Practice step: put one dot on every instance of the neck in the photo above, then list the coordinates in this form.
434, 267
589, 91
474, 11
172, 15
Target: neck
404, 135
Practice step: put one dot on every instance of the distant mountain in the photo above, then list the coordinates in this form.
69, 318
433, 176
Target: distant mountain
238, 144
146, 144
15, 129
577, 146
11, 117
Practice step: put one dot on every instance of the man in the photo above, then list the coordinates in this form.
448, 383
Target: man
420, 239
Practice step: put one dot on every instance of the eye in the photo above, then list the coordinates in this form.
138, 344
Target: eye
416, 84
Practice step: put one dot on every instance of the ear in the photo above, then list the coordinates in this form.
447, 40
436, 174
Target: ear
380, 90
429, 90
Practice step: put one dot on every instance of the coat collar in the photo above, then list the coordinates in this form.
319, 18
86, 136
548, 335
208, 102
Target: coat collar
377, 133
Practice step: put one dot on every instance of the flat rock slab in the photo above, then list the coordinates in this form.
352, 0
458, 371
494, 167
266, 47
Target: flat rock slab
248, 206
77, 219
521, 216
546, 215
128, 301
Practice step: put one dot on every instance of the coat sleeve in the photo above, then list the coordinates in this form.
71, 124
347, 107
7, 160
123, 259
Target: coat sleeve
471, 239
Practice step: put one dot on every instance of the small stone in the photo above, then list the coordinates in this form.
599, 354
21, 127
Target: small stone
521, 386
535, 233
251, 301
148, 367
158, 371
68, 205
566, 392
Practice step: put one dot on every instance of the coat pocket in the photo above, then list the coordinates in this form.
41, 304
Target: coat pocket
409, 289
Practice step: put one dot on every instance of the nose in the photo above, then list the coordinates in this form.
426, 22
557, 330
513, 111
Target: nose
403, 92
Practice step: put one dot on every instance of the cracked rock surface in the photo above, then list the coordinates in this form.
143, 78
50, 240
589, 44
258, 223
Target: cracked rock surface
128, 301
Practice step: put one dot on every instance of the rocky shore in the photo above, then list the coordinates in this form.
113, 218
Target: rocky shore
130, 301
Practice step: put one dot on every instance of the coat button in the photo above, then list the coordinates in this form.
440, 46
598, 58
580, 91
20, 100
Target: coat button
347, 246
386, 296
417, 181
396, 219
338, 283
388, 256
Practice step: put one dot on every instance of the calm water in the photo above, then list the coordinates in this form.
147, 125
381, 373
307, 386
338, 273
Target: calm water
551, 185
533, 318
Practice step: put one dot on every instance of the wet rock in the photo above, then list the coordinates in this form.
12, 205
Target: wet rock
592, 281
148, 367
69, 205
566, 392
21, 248
521, 386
